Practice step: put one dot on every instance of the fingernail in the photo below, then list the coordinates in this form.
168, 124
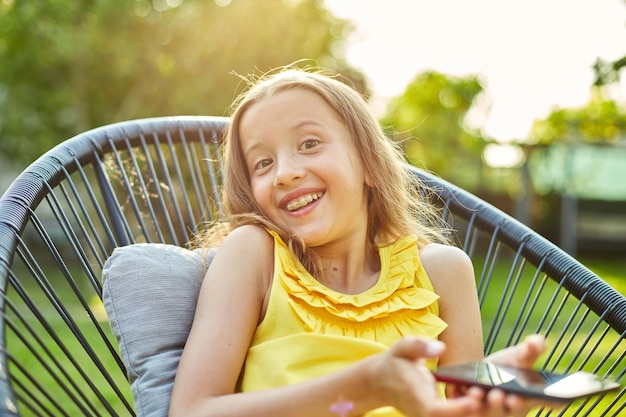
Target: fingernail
434, 348
536, 339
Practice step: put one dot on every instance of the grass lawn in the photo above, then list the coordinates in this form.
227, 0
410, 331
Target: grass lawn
50, 370
53, 373
528, 304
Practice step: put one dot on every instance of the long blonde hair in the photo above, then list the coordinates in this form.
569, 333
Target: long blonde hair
396, 201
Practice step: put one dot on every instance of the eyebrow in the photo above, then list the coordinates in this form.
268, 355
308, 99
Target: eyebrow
306, 122
298, 125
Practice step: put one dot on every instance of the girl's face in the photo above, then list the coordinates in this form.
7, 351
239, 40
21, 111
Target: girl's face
304, 171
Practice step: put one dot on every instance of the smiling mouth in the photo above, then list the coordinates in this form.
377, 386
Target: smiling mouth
303, 201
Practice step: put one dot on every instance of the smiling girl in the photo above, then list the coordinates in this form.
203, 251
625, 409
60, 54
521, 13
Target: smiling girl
333, 291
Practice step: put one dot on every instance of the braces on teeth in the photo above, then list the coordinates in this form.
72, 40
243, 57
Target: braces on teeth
301, 202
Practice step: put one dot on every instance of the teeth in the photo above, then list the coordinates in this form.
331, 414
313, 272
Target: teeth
303, 201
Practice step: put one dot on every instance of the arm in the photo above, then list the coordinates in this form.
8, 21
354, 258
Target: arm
452, 275
229, 308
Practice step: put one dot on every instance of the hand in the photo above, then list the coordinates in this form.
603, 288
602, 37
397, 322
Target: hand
400, 379
523, 355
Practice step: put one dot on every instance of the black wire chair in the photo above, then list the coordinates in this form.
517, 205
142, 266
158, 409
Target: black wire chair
156, 180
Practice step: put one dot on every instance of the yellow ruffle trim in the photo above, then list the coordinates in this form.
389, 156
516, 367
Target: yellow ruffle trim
397, 305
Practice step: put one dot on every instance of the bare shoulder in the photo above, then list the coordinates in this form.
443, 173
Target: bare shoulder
252, 243
443, 257
246, 253
238, 278
446, 265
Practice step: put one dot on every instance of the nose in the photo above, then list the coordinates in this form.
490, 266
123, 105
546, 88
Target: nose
288, 170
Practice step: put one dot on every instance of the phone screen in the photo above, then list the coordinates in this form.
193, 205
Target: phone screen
525, 381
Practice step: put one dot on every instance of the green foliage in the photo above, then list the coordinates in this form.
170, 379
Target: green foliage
608, 72
71, 66
429, 120
599, 121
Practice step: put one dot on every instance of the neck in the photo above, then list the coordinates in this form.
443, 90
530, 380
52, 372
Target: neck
349, 267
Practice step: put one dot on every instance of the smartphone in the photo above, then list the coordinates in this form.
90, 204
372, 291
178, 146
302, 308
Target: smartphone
526, 382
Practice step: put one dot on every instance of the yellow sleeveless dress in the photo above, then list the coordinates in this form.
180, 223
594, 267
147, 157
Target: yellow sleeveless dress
310, 330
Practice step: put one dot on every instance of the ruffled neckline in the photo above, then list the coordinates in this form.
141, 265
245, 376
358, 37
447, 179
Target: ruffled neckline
402, 298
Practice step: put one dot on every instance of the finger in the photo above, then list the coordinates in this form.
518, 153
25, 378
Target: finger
498, 402
414, 348
511, 404
454, 391
495, 404
478, 393
532, 347
522, 355
516, 405
464, 406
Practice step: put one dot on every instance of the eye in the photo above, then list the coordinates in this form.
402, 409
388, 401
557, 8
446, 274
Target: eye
309, 144
263, 163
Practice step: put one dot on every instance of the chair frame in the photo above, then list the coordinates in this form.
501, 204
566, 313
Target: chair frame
162, 184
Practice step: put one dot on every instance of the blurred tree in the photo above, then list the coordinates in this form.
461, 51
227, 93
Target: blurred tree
71, 66
429, 118
608, 72
601, 120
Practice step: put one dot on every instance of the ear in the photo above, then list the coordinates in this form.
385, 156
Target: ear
369, 181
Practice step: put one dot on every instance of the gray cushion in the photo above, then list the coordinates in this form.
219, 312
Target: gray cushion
149, 294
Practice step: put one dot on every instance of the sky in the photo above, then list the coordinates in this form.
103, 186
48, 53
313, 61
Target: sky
531, 55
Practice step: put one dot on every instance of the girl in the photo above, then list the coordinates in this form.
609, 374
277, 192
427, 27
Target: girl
328, 295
